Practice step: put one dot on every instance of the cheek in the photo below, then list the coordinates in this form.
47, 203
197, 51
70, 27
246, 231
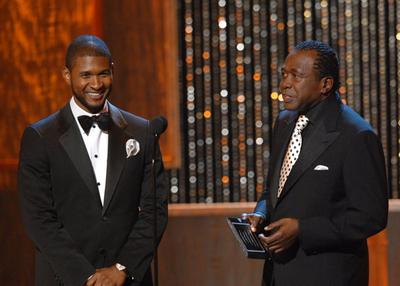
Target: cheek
80, 85
107, 82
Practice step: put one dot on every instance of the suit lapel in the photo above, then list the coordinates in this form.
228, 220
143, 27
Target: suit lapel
281, 146
321, 140
116, 153
324, 134
73, 144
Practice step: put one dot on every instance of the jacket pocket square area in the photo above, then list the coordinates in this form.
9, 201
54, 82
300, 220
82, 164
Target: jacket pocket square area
321, 168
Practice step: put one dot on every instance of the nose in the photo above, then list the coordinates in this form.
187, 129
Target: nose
285, 83
96, 83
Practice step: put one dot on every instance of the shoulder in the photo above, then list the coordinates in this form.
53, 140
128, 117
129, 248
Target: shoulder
285, 117
133, 118
46, 125
352, 122
132, 122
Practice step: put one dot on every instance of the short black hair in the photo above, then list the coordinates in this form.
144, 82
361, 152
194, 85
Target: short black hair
326, 63
86, 45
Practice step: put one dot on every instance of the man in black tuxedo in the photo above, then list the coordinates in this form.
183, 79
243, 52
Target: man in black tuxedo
85, 182
326, 189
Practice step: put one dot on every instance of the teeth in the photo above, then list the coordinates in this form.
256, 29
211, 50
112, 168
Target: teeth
94, 94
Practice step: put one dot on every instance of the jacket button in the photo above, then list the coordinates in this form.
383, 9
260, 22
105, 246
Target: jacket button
104, 218
102, 251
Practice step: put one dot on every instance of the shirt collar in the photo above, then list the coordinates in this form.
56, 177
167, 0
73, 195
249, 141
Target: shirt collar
315, 111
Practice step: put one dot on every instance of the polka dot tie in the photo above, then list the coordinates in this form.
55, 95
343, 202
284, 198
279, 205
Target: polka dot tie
293, 151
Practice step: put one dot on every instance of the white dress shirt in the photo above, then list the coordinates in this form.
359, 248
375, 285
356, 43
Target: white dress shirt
96, 143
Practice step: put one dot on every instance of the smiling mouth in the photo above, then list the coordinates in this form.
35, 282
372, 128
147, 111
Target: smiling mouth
95, 95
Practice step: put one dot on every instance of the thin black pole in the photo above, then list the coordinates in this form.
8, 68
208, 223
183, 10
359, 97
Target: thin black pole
155, 261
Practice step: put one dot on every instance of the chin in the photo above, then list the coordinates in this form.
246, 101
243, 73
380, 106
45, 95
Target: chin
290, 107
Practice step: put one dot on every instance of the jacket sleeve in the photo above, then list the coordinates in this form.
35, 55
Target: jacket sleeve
138, 251
40, 215
263, 202
365, 208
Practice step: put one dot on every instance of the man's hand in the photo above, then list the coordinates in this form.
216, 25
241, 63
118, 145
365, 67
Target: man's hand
109, 276
255, 221
284, 234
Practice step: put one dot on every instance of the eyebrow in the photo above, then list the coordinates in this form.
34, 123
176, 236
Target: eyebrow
101, 72
292, 70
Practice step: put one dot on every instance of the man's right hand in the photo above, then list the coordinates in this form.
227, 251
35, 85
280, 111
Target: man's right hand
255, 220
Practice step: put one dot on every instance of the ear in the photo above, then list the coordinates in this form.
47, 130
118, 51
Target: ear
66, 75
326, 85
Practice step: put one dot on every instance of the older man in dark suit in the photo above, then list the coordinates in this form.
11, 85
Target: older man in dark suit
85, 182
326, 191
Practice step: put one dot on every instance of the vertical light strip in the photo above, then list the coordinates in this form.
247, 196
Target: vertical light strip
348, 27
190, 97
341, 48
365, 58
373, 63
393, 83
325, 21
274, 67
308, 20
383, 88
223, 135
206, 165
356, 55
256, 175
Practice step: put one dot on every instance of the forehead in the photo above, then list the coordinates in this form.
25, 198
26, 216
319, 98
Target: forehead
301, 61
90, 63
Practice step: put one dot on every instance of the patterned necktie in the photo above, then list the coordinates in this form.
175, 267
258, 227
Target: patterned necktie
103, 120
293, 151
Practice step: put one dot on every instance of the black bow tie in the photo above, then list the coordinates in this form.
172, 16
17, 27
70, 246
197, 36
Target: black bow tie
103, 120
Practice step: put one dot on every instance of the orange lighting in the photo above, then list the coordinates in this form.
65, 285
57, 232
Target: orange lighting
225, 179
189, 59
257, 76
206, 69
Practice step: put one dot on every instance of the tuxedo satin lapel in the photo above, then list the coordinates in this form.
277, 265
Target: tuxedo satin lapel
281, 146
73, 144
116, 153
319, 141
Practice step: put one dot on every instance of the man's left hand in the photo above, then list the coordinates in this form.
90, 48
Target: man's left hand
107, 276
284, 233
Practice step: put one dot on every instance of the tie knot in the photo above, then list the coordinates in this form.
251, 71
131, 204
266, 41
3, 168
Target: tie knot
301, 123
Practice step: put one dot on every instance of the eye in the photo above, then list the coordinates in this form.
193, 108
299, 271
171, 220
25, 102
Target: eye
298, 76
105, 74
85, 75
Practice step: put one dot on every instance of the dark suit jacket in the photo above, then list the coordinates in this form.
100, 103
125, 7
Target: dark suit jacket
337, 209
73, 233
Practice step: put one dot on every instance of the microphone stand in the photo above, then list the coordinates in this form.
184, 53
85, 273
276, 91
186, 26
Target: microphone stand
153, 174
158, 126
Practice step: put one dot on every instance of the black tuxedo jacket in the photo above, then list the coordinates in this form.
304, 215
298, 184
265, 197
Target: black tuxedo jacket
337, 190
73, 233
